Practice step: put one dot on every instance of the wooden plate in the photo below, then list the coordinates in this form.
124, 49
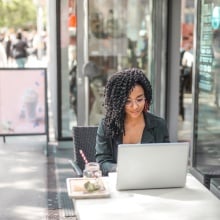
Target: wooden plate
76, 188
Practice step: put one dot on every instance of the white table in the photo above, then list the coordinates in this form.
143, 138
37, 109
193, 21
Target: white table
193, 202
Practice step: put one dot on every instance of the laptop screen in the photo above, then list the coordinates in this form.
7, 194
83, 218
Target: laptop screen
158, 165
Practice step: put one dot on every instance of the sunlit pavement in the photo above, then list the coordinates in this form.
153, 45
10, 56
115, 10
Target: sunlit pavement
32, 62
23, 175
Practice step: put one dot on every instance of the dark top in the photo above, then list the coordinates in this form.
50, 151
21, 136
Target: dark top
20, 49
155, 131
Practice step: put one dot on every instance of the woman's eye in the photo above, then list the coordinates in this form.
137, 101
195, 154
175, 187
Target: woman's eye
140, 100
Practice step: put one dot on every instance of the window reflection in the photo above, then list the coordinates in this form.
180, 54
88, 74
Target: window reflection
68, 66
118, 38
120, 35
207, 124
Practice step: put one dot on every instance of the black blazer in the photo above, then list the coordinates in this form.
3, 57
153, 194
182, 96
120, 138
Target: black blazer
155, 131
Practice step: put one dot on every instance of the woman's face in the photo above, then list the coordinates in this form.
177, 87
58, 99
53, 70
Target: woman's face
135, 103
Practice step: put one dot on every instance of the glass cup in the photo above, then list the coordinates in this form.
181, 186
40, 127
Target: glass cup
92, 170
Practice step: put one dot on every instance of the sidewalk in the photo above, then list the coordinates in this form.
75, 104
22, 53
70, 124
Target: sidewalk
23, 175
33, 183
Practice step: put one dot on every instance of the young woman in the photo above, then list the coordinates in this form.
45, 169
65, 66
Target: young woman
128, 95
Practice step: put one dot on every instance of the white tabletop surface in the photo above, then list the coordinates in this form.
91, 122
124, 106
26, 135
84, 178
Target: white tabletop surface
193, 202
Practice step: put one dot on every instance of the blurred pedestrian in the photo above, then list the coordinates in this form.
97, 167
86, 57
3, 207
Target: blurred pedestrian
20, 51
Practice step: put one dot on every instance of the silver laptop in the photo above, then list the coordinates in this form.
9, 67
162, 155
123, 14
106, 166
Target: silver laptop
147, 166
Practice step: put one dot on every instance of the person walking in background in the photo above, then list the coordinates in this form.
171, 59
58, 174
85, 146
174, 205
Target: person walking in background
20, 51
128, 96
187, 65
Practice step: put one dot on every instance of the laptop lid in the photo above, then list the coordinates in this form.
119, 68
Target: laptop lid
157, 165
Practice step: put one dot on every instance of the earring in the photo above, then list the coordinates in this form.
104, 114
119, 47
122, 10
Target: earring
146, 107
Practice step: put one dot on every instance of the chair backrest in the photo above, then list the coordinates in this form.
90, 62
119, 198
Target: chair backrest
84, 138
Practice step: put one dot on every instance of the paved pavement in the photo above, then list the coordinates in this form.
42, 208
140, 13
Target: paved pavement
32, 62
23, 175
33, 182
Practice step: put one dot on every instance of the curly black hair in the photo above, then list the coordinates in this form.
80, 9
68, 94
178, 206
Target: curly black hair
117, 90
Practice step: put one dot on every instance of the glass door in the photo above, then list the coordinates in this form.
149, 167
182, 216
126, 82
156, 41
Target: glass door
66, 67
206, 136
118, 34
97, 38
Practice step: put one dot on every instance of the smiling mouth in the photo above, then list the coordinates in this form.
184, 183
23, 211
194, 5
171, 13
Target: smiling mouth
135, 112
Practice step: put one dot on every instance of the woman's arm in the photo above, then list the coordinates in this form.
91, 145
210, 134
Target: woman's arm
104, 153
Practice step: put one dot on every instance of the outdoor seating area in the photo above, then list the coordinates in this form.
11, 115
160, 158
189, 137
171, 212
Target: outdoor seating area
48, 174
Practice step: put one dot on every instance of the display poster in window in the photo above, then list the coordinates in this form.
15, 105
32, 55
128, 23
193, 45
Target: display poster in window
209, 47
23, 106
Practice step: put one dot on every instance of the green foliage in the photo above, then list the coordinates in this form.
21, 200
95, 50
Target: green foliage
17, 14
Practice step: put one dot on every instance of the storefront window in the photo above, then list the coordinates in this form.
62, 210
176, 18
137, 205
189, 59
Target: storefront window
118, 38
186, 70
67, 80
206, 156
98, 38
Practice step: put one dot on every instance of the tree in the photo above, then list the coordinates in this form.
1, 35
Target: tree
17, 14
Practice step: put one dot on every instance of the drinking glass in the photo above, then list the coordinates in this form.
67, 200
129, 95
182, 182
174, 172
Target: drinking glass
92, 170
